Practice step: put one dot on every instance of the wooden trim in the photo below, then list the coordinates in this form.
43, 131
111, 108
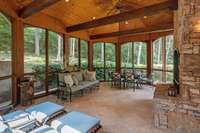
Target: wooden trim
46, 60
118, 57
143, 37
36, 6
166, 6
151, 29
104, 52
90, 56
79, 53
6, 77
149, 57
17, 57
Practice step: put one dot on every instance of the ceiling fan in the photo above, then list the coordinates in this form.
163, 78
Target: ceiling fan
123, 6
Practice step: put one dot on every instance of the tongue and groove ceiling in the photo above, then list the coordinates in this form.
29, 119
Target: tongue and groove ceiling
80, 11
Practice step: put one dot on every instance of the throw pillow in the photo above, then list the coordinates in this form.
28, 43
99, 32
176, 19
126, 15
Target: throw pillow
84, 73
69, 80
75, 80
91, 76
78, 76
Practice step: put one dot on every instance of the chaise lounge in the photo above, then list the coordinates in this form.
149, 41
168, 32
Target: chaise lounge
35, 115
72, 122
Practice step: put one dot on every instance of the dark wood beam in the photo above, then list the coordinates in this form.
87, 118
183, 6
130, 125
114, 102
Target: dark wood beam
138, 13
152, 29
36, 6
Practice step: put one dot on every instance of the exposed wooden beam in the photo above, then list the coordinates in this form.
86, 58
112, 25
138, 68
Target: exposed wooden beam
138, 13
36, 6
152, 29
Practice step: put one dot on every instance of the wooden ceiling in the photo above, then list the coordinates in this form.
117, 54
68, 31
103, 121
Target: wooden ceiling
80, 11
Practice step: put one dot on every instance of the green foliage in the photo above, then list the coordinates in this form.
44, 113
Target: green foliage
5, 37
51, 68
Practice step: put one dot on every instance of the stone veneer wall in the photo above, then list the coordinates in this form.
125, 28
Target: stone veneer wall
176, 114
188, 43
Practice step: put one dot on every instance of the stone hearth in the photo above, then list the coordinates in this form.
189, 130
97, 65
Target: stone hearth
176, 113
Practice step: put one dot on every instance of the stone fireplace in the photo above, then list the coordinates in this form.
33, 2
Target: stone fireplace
182, 113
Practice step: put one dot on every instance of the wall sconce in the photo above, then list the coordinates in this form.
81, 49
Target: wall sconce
197, 26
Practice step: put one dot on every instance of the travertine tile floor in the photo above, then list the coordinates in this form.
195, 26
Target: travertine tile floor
120, 110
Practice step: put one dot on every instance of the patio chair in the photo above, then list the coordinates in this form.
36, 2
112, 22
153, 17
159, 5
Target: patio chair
130, 80
73, 122
116, 80
33, 116
147, 80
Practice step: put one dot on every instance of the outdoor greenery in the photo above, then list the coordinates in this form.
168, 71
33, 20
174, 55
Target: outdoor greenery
5, 59
35, 52
158, 62
103, 56
133, 54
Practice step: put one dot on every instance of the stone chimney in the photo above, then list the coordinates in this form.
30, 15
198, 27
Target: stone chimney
187, 34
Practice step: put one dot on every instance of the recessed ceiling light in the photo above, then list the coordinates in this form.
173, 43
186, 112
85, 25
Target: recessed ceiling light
145, 17
93, 18
66, 0
126, 22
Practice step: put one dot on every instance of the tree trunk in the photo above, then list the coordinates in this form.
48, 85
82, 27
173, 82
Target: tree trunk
73, 47
159, 48
59, 48
139, 54
128, 54
102, 52
37, 43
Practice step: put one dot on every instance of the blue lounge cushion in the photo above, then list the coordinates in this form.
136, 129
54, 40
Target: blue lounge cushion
17, 119
14, 115
44, 129
43, 110
75, 122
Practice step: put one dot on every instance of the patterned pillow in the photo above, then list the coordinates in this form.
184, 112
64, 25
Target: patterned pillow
69, 80
84, 73
79, 76
75, 80
90, 76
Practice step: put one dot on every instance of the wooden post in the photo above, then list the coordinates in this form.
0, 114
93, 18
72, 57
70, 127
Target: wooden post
46, 60
17, 56
149, 57
90, 56
79, 52
118, 57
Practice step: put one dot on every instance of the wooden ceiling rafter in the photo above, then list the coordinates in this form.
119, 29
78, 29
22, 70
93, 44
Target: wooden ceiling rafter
138, 13
152, 29
36, 6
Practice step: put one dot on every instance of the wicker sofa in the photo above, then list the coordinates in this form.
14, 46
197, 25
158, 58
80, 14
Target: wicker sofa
66, 90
